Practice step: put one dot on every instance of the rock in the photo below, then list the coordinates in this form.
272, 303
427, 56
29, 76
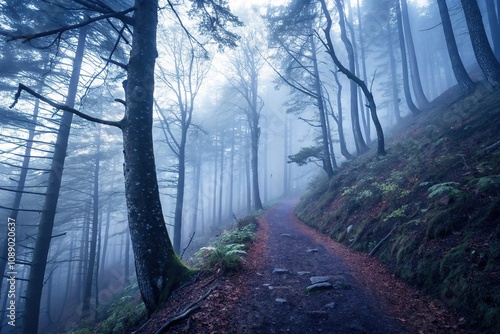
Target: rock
288, 235
349, 229
280, 300
318, 314
271, 287
302, 273
280, 271
312, 250
330, 306
319, 279
319, 286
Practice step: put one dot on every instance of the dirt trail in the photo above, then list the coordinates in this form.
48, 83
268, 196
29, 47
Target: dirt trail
363, 297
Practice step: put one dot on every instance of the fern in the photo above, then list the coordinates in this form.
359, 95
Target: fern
448, 189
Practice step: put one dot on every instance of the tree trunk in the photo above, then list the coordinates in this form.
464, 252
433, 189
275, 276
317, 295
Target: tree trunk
394, 81
21, 182
494, 23
93, 240
351, 76
46, 225
340, 120
181, 180
158, 268
361, 146
463, 78
412, 57
326, 159
221, 178
404, 62
482, 49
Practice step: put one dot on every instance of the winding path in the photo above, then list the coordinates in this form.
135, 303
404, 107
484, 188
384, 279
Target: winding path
363, 297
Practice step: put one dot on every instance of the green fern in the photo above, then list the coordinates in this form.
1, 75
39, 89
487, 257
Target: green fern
448, 189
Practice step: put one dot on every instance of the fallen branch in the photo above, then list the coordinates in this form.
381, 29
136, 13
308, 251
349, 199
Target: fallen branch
491, 147
186, 312
375, 249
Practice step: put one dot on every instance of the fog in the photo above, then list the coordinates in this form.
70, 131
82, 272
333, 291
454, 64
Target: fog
216, 111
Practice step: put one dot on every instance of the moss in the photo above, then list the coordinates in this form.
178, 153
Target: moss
179, 274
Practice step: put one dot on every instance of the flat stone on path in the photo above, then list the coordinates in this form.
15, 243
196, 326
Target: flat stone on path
280, 271
319, 286
280, 300
312, 250
286, 235
302, 273
330, 306
319, 279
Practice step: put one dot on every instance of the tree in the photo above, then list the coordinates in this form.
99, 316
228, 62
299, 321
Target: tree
246, 67
369, 96
464, 81
183, 81
356, 128
404, 61
158, 268
482, 49
46, 225
412, 57
299, 57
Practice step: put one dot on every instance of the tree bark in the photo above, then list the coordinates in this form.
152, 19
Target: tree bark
494, 23
326, 159
404, 62
46, 225
394, 84
158, 268
340, 120
93, 239
361, 146
482, 49
412, 57
464, 81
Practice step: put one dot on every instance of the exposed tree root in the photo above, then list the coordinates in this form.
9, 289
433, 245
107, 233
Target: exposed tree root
186, 312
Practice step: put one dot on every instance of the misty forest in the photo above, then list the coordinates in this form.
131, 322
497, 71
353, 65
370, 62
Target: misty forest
226, 166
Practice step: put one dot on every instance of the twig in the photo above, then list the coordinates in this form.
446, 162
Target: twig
186, 312
375, 249
189, 243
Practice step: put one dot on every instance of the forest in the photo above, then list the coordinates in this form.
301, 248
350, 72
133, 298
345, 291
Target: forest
225, 166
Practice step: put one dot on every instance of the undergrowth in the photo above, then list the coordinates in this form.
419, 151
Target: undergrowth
226, 252
440, 191
120, 316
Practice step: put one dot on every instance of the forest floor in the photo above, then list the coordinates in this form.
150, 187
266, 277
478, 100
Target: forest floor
270, 293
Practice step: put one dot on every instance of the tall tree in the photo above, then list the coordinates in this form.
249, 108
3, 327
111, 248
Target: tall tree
494, 23
293, 34
482, 49
46, 224
412, 57
463, 78
351, 76
247, 66
189, 67
157, 274
356, 128
404, 61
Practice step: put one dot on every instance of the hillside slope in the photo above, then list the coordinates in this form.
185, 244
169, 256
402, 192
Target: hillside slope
430, 208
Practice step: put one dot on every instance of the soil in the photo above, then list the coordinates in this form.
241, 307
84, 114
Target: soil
364, 296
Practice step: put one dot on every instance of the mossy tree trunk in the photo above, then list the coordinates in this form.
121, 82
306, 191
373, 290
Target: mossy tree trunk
158, 268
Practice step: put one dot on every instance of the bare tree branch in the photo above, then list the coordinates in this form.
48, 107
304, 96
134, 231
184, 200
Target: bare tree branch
58, 106
119, 15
